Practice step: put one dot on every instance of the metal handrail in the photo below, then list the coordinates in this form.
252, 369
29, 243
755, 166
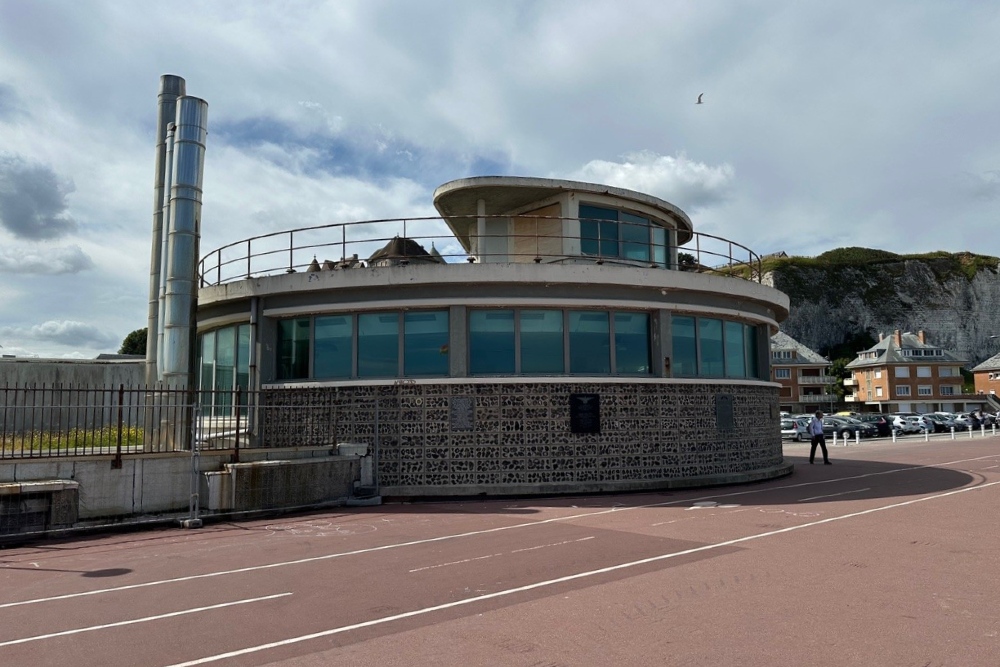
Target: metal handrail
294, 250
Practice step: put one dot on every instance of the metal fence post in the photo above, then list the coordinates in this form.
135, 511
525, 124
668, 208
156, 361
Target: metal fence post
116, 462
194, 501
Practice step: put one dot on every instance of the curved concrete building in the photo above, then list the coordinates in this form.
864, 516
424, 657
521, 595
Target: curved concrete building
540, 336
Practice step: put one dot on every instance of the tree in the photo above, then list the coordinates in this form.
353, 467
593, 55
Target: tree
134, 343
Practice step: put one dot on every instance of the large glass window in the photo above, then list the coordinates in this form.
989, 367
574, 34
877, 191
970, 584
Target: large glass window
750, 343
334, 346
710, 346
736, 366
378, 345
293, 349
632, 350
425, 343
491, 342
589, 342
542, 341
223, 366
608, 232
685, 346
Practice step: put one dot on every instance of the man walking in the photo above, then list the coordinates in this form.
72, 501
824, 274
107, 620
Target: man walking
818, 437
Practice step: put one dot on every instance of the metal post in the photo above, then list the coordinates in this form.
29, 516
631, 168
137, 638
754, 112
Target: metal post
194, 501
116, 462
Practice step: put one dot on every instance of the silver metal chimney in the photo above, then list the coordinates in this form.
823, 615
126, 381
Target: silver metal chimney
183, 239
171, 88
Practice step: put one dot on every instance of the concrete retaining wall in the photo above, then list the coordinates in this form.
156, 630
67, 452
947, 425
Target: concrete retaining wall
158, 484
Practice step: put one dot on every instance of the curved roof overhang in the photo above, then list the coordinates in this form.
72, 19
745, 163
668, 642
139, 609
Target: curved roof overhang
457, 201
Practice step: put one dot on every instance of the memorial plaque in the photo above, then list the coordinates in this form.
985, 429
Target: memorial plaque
462, 412
724, 412
585, 413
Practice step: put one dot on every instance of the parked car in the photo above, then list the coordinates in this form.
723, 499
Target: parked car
881, 423
843, 426
901, 425
941, 422
923, 424
795, 429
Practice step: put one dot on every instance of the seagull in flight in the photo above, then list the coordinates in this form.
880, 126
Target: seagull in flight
700, 95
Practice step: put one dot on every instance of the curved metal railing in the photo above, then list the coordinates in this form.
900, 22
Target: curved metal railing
352, 244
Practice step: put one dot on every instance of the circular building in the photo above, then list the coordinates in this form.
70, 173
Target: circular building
540, 336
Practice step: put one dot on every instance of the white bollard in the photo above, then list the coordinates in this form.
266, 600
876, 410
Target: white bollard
952, 432
894, 435
982, 428
927, 435
970, 431
857, 438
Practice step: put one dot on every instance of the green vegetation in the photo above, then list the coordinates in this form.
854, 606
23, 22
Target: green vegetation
944, 264
134, 343
61, 441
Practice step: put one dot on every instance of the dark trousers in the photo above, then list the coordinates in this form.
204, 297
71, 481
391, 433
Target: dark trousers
821, 441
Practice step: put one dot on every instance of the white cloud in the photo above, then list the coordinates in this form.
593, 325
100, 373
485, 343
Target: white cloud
21, 259
686, 183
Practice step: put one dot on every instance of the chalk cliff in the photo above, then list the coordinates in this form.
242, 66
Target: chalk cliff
954, 298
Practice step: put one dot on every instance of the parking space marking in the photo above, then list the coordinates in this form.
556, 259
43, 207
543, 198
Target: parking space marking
571, 577
147, 619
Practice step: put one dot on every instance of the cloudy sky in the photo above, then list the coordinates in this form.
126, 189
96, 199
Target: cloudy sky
823, 125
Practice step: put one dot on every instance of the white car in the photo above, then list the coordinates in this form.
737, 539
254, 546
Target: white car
902, 425
795, 429
923, 425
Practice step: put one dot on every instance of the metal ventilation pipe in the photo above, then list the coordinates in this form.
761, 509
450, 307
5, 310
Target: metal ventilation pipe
171, 88
164, 252
183, 238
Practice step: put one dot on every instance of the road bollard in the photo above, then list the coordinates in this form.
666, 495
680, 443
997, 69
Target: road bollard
927, 435
894, 435
857, 438
952, 432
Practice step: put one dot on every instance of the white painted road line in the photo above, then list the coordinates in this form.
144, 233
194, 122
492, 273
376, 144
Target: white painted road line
560, 580
92, 628
473, 533
832, 495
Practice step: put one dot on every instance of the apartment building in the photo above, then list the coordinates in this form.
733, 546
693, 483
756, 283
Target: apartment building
904, 372
987, 379
802, 374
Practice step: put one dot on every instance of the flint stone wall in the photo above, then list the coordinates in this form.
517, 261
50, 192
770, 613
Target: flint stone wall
519, 439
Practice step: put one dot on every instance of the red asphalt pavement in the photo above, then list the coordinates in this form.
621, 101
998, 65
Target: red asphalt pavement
888, 557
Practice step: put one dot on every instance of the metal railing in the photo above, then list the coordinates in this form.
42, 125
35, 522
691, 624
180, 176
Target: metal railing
58, 421
535, 239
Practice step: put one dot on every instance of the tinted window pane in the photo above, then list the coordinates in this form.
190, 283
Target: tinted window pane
589, 342
634, 232
735, 351
632, 343
542, 341
598, 237
491, 341
710, 346
659, 245
225, 367
588, 237
753, 370
243, 362
685, 348
334, 346
378, 345
425, 343
293, 349
207, 361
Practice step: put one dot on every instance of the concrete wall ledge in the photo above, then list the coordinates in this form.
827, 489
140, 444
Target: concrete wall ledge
37, 486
